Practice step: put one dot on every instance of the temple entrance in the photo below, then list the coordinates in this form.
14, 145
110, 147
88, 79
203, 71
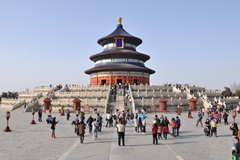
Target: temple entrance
119, 81
103, 81
135, 81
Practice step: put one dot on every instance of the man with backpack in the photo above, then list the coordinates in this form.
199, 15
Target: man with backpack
200, 116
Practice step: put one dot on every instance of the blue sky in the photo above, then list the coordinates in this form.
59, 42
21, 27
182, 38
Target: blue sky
49, 42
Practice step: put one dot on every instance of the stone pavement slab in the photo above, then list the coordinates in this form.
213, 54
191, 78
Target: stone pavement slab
34, 142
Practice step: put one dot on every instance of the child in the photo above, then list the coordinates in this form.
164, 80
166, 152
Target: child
233, 155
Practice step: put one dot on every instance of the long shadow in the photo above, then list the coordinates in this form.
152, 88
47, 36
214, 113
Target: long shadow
140, 145
136, 135
225, 135
180, 143
191, 135
100, 141
184, 131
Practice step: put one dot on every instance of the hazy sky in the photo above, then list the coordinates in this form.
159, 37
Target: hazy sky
46, 42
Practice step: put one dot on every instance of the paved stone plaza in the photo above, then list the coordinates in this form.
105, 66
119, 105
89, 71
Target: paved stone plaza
34, 142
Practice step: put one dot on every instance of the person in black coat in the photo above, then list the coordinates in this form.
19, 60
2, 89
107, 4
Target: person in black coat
234, 128
53, 126
89, 122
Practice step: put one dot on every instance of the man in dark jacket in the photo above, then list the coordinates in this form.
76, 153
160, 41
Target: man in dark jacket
89, 122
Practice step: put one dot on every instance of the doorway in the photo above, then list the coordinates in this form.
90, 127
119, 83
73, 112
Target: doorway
135, 81
119, 81
103, 81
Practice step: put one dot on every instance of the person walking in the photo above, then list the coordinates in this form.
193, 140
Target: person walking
199, 114
95, 129
89, 122
53, 127
121, 133
190, 114
81, 130
154, 132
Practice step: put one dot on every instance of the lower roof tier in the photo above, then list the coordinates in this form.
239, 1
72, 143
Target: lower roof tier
117, 66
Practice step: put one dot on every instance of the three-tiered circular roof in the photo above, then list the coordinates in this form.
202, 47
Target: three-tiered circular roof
120, 53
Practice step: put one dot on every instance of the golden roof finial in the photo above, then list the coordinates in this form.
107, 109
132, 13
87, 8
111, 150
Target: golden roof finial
119, 20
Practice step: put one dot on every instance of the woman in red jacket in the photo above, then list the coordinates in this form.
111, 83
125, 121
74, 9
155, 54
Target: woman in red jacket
174, 127
154, 132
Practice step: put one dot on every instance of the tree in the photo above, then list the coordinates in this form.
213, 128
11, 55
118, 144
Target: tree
234, 87
237, 93
227, 92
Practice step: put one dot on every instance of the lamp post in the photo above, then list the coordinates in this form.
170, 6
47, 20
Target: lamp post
33, 112
7, 129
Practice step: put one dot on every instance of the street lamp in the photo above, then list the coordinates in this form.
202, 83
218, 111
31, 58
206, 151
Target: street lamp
7, 129
33, 112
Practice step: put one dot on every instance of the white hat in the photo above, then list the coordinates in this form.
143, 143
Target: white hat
154, 121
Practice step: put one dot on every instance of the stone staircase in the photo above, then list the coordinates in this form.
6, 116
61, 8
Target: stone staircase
111, 104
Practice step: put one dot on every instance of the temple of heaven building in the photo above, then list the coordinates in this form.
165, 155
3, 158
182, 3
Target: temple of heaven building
119, 62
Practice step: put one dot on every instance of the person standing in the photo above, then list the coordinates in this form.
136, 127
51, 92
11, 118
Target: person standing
99, 120
53, 127
207, 128
213, 127
144, 125
39, 115
174, 127
68, 114
225, 118
154, 132
237, 144
121, 133
108, 120
140, 124
178, 125
136, 123
234, 128
165, 127
81, 131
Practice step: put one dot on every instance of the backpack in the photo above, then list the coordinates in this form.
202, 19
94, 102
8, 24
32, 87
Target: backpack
200, 116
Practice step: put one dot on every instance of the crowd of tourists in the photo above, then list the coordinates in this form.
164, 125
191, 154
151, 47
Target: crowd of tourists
161, 127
